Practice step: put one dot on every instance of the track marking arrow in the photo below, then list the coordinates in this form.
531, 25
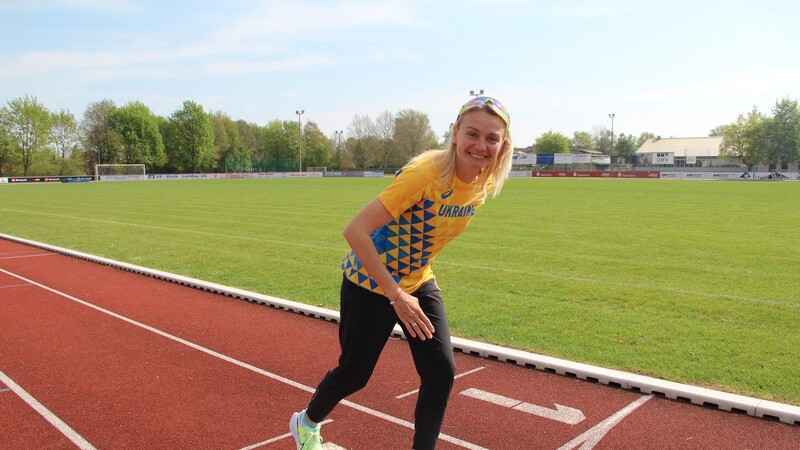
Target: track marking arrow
561, 413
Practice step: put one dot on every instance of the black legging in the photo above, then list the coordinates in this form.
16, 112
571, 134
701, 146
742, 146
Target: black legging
366, 323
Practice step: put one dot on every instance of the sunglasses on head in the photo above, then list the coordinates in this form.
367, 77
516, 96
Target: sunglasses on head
493, 103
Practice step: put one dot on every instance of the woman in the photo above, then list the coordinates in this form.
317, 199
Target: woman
387, 275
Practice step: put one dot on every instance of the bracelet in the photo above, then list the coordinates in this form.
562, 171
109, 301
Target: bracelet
392, 302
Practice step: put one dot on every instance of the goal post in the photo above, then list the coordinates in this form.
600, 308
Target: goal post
119, 172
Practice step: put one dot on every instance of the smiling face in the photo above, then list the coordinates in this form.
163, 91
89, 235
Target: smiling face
478, 139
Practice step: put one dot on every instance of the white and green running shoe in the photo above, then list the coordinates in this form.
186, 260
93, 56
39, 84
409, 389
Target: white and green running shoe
306, 438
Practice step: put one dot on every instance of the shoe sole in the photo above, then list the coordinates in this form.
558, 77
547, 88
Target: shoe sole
293, 429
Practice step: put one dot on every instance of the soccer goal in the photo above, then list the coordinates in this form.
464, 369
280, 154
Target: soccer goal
119, 172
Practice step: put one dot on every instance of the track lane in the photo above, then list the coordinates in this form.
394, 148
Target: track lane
268, 339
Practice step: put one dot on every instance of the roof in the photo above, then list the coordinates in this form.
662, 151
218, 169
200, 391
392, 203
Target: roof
700, 146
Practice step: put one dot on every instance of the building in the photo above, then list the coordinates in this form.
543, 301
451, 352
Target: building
699, 152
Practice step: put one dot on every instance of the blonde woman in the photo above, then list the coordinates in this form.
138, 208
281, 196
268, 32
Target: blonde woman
387, 274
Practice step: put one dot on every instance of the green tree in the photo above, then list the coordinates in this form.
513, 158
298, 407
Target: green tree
783, 133
190, 139
581, 140
280, 140
248, 135
643, 137
552, 142
227, 142
139, 134
7, 149
102, 144
716, 131
413, 134
27, 123
66, 138
744, 139
317, 148
624, 146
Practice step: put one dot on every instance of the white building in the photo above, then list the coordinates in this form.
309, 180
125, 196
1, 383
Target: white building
662, 153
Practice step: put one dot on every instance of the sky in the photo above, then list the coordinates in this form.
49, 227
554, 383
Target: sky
673, 68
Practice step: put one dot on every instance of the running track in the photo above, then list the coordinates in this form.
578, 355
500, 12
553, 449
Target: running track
97, 357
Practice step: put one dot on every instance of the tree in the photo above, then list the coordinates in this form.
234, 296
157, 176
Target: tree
624, 146
643, 137
317, 148
102, 144
581, 140
384, 131
413, 134
190, 139
65, 133
716, 131
782, 133
601, 136
66, 138
139, 134
248, 135
744, 139
362, 145
279, 139
227, 142
27, 123
552, 142
7, 148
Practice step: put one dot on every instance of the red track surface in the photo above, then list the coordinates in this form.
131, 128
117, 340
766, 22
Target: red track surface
96, 356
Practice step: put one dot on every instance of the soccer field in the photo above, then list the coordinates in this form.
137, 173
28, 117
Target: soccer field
690, 281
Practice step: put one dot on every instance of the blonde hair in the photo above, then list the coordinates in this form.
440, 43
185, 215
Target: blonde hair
490, 181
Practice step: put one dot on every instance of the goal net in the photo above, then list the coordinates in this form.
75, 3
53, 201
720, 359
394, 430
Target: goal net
119, 172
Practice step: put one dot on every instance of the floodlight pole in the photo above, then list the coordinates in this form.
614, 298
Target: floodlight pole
611, 150
474, 94
300, 135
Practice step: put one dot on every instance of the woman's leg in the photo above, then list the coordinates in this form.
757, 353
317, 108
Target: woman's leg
435, 364
366, 322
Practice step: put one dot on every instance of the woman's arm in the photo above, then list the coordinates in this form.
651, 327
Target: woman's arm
358, 234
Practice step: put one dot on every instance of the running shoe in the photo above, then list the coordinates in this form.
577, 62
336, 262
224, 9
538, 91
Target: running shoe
306, 438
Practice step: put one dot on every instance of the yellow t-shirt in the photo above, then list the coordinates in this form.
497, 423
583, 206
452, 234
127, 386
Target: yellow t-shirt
427, 216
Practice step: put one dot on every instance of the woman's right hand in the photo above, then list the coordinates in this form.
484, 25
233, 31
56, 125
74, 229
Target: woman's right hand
413, 317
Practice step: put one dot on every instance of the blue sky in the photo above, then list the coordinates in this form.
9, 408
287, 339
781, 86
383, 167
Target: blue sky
673, 68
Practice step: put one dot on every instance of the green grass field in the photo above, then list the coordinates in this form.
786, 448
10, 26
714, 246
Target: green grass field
691, 281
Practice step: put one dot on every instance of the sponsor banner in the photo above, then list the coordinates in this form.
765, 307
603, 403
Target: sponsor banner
581, 158
520, 174
3, 180
768, 176
76, 179
545, 158
601, 160
663, 158
34, 179
523, 159
592, 174
562, 158
691, 160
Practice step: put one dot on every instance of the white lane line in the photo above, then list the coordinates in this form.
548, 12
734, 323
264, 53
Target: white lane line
457, 376
592, 436
28, 256
326, 445
14, 285
65, 429
244, 365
